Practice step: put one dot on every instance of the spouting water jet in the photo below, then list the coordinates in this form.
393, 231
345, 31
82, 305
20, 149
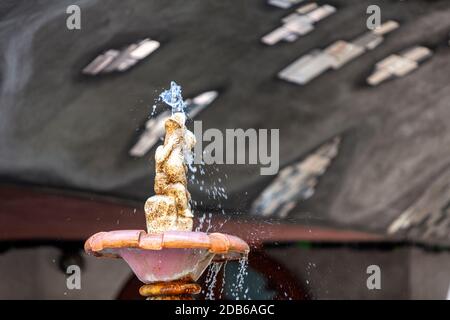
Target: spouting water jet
169, 258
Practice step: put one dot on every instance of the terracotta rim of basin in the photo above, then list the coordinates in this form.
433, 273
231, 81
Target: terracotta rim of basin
103, 244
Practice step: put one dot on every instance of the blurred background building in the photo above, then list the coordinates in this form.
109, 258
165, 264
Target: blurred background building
364, 170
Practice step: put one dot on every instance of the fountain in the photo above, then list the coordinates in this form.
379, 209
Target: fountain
169, 258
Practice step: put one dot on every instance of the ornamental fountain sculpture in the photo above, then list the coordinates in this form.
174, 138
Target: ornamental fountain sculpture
170, 257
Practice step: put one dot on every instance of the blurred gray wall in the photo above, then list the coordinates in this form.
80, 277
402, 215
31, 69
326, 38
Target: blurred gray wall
341, 273
35, 274
327, 273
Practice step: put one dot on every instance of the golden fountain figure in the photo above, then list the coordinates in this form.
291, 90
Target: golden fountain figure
169, 209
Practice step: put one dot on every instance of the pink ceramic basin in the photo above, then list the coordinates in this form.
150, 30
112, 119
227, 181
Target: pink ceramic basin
173, 255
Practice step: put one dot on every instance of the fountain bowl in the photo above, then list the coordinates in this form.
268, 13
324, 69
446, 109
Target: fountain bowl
168, 256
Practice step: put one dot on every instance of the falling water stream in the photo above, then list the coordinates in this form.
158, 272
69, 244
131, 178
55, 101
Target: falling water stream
211, 279
238, 287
